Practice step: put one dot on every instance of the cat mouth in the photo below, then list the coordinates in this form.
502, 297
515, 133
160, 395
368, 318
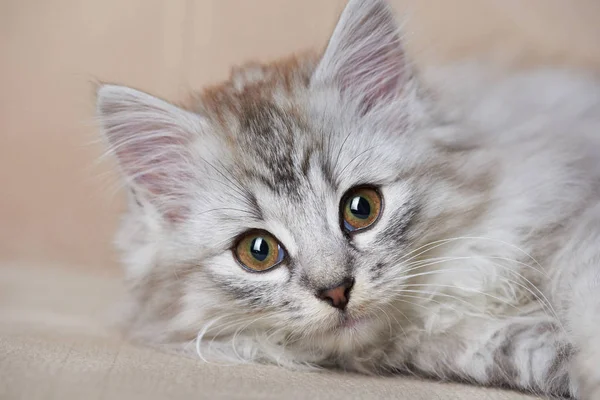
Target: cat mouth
350, 322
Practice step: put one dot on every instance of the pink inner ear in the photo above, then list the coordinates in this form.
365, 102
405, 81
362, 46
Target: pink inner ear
157, 164
151, 140
379, 79
147, 161
153, 156
365, 54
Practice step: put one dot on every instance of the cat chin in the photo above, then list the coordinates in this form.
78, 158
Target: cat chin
349, 334
335, 346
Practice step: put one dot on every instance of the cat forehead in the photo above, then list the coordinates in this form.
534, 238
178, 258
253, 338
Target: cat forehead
275, 146
260, 115
283, 134
253, 85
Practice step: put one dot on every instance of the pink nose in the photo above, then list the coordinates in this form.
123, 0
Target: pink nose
339, 295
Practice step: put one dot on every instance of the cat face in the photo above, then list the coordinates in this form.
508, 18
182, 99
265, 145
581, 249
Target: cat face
285, 203
323, 213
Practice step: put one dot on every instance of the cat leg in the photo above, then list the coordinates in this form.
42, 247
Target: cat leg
583, 321
575, 291
529, 353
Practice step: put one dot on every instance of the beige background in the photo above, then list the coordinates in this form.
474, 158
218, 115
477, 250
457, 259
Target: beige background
58, 207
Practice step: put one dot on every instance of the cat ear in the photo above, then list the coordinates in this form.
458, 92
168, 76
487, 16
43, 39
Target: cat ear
150, 139
364, 56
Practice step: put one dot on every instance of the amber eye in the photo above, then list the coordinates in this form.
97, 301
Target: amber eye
259, 251
361, 208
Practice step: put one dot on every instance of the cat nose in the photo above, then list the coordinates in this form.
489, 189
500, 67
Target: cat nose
339, 295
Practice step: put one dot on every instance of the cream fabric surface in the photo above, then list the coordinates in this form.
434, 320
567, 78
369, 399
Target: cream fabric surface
54, 344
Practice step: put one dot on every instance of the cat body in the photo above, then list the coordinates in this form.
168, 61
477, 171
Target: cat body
339, 211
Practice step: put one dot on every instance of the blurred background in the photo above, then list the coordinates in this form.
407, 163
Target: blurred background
59, 209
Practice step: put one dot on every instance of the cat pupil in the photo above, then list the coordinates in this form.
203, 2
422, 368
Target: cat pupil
360, 207
259, 249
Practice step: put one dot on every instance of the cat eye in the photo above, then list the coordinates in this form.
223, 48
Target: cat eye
258, 251
360, 208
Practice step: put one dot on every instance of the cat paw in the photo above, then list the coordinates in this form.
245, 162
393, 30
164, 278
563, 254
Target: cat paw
586, 376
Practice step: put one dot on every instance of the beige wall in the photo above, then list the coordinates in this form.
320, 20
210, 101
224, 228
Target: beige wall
57, 206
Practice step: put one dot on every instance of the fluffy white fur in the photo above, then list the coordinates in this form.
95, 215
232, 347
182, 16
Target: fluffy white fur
483, 266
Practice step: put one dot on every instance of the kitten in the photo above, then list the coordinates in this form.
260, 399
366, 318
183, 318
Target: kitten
337, 211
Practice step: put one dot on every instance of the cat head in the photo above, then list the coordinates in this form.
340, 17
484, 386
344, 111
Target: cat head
283, 205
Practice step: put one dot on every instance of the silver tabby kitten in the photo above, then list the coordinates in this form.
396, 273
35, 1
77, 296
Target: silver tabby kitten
339, 212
